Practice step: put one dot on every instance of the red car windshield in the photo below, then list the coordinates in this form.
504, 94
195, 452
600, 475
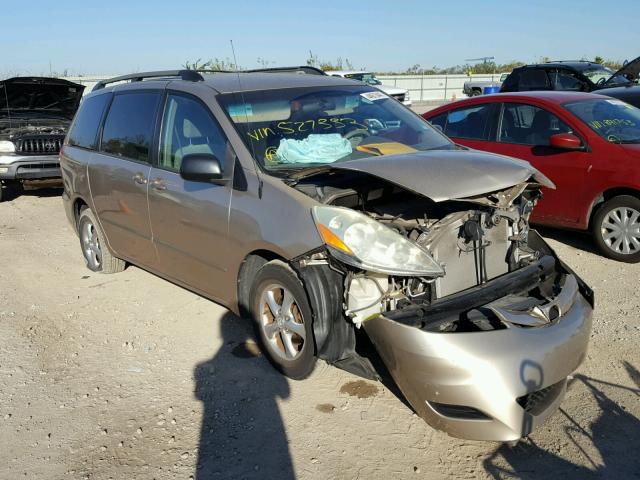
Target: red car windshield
612, 119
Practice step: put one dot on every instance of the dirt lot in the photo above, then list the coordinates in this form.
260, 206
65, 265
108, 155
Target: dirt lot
129, 376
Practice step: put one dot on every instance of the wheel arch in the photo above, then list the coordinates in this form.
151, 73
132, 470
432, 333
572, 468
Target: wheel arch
249, 266
606, 196
79, 204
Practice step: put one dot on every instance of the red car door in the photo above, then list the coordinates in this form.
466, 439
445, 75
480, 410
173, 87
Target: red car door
523, 132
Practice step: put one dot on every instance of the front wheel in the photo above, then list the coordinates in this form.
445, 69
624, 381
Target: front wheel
94, 249
282, 320
616, 228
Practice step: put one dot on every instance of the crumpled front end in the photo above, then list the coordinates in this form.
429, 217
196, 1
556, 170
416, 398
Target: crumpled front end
494, 385
477, 319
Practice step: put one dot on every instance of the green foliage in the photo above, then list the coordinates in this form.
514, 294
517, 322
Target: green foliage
213, 64
340, 64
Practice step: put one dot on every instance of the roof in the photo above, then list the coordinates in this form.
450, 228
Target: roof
230, 82
551, 96
236, 82
574, 64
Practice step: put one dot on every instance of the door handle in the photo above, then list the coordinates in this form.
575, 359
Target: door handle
140, 179
158, 184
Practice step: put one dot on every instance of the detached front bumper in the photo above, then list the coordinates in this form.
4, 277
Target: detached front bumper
493, 385
29, 167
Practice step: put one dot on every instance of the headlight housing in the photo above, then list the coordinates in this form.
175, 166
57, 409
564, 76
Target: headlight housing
7, 146
362, 242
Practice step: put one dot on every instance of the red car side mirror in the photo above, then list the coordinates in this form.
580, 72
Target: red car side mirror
565, 141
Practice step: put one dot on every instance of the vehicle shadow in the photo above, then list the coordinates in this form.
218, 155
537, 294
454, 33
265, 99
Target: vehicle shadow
573, 238
614, 436
242, 434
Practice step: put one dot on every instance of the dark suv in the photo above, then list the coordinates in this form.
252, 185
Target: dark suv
577, 76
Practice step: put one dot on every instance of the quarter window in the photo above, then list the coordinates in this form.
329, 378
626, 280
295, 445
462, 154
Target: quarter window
529, 125
471, 123
188, 128
128, 129
84, 131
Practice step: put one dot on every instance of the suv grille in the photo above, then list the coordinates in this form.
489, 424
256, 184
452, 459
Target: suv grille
49, 145
537, 402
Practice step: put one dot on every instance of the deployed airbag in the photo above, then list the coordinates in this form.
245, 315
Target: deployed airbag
325, 148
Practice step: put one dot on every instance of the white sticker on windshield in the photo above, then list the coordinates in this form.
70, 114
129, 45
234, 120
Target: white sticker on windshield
373, 96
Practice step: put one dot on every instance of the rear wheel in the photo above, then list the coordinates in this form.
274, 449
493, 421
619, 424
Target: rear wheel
94, 249
282, 319
616, 228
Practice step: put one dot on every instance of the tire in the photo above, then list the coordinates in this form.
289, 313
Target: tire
476, 93
286, 337
616, 229
94, 249
10, 189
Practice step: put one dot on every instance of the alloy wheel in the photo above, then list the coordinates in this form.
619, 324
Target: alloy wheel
281, 322
91, 245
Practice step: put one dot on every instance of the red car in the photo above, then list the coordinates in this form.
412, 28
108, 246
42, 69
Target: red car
588, 144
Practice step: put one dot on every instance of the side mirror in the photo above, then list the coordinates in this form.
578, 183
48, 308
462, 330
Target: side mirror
566, 141
201, 167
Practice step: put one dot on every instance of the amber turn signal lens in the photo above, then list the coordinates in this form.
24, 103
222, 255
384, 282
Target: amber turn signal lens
332, 239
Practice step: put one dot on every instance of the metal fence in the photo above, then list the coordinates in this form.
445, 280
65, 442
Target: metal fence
424, 88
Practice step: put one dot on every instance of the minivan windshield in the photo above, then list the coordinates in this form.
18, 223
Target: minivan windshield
612, 119
300, 127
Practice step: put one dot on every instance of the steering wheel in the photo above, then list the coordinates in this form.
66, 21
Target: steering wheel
356, 136
601, 81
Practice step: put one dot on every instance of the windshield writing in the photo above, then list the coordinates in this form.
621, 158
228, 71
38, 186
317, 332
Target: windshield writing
294, 128
614, 120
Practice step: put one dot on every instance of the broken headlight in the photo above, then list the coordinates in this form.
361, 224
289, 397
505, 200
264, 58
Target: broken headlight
364, 243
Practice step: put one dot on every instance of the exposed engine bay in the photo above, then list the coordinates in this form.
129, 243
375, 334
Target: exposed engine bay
475, 240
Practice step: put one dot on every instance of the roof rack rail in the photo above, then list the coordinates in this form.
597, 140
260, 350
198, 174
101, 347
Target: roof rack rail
570, 61
297, 69
189, 75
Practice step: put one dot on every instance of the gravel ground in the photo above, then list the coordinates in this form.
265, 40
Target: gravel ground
128, 376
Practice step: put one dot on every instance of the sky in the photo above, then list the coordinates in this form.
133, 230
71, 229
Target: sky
116, 37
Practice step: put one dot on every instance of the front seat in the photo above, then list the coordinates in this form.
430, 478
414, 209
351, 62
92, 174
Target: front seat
192, 141
540, 129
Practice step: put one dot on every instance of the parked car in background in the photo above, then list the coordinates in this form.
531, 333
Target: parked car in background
473, 88
400, 94
317, 205
579, 76
587, 144
35, 114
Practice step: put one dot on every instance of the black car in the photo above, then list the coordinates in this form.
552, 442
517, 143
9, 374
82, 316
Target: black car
578, 76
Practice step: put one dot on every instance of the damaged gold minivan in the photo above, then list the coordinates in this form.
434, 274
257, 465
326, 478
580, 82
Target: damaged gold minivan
318, 206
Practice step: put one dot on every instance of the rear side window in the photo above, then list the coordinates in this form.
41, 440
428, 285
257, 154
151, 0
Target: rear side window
128, 128
471, 123
84, 131
534, 79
